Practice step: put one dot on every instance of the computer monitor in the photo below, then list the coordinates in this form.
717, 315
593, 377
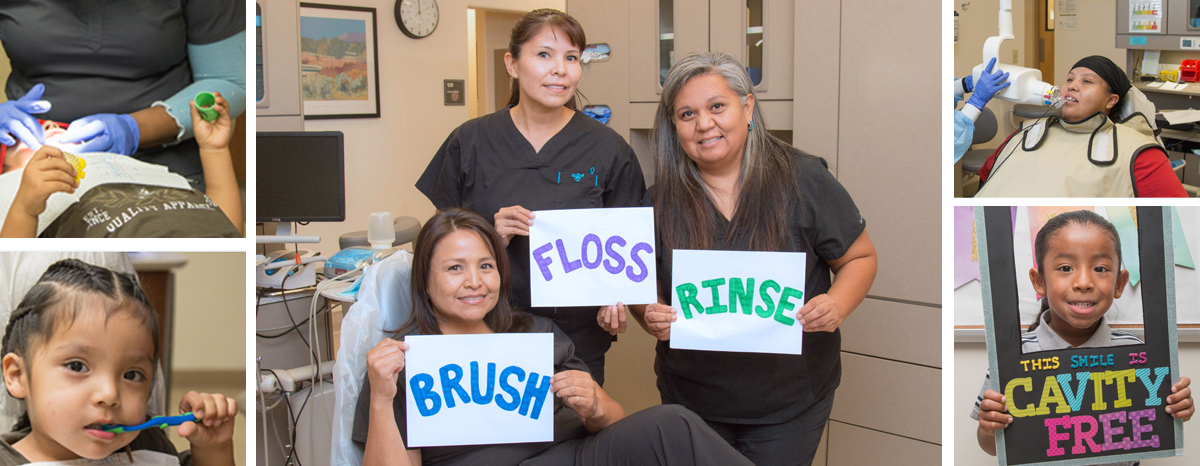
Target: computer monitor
300, 177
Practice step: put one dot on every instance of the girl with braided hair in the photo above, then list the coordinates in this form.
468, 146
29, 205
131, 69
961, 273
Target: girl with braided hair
80, 350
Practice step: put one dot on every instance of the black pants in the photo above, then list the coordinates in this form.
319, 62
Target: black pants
662, 435
790, 443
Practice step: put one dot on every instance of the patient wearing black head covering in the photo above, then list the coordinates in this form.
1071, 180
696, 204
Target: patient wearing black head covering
1118, 83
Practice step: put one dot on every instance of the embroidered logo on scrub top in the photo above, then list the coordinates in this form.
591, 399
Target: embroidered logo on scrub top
579, 176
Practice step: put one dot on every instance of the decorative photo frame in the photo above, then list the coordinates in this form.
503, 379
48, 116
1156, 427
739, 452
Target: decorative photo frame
1052, 395
339, 61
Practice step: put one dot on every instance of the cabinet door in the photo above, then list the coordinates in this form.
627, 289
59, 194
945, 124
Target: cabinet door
660, 31
759, 33
1183, 17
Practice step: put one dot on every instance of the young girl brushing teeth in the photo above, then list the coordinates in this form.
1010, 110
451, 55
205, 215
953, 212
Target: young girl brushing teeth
80, 349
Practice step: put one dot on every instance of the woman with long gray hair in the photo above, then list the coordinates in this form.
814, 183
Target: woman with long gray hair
722, 181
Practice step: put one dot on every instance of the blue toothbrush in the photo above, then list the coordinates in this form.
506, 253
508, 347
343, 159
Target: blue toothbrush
158, 421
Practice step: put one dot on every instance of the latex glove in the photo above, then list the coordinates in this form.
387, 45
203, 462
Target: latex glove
104, 132
962, 87
15, 119
989, 84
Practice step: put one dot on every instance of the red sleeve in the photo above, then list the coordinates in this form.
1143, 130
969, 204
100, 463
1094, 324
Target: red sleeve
1153, 176
987, 166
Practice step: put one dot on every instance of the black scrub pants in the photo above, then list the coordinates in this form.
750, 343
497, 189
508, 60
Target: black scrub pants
664, 435
792, 443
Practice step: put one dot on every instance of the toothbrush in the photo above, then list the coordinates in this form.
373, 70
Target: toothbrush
158, 421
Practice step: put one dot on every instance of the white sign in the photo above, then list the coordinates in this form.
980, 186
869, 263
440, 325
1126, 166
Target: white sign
738, 301
592, 257
479, 389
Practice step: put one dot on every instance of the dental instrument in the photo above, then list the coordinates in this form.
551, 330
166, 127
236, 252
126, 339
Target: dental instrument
1027, 85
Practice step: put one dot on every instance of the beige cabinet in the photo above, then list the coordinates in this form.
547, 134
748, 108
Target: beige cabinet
757, 32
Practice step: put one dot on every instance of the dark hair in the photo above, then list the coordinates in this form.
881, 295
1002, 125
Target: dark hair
767, 182
56, 300
1041, 244
424, 317
531, 25
1112, 75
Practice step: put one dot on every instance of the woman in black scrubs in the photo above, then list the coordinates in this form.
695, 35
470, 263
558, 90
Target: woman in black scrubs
456, 258
722, 182
122, 72
540, 153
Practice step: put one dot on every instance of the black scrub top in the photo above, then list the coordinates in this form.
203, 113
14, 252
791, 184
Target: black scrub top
116, 56
487, 164
567, 424
760, 388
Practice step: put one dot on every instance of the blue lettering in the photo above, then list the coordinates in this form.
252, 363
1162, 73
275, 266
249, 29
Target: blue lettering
1152, 386
515, 398
485, 398
422, 391
452, 375
535, 393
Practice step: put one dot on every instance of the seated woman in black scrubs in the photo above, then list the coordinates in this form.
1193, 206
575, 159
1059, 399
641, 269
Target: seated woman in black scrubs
460, 286
521, 159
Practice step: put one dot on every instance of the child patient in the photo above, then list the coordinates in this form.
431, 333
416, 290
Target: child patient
47, 171
81, 349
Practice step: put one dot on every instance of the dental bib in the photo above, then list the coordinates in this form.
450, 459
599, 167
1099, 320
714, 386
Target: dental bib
1052, 157
140, 458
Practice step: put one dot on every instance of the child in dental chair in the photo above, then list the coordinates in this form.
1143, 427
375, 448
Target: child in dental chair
80, 349
135, 209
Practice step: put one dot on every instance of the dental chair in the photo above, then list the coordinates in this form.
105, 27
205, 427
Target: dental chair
383, 303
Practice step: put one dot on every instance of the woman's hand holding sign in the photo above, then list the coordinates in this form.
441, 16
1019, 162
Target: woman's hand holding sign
820, 314
384, 363
513, 220
612, 318
658, 320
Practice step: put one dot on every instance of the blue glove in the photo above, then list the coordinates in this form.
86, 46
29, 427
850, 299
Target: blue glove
104, 132
968, 84
15, 118
989, 84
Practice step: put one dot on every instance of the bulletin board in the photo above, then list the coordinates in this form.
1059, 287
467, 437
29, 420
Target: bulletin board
1082, 405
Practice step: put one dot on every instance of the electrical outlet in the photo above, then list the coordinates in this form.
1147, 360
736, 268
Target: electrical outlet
1014, 57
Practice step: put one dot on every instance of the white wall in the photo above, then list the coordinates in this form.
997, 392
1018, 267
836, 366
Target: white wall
386, 155
970, 364
1097, 35
210, 312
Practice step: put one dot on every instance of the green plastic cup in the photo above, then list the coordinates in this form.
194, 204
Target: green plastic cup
204, 103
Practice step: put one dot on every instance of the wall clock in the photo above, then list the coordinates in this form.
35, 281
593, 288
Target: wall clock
417, 18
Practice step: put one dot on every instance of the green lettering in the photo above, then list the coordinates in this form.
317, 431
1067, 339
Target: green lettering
687, 299
744, 295
762, 291
715, 285
786, 305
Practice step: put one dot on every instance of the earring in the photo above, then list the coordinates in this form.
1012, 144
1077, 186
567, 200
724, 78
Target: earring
751, 125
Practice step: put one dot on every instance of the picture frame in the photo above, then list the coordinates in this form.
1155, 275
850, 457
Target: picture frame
1045, 427
339, 62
